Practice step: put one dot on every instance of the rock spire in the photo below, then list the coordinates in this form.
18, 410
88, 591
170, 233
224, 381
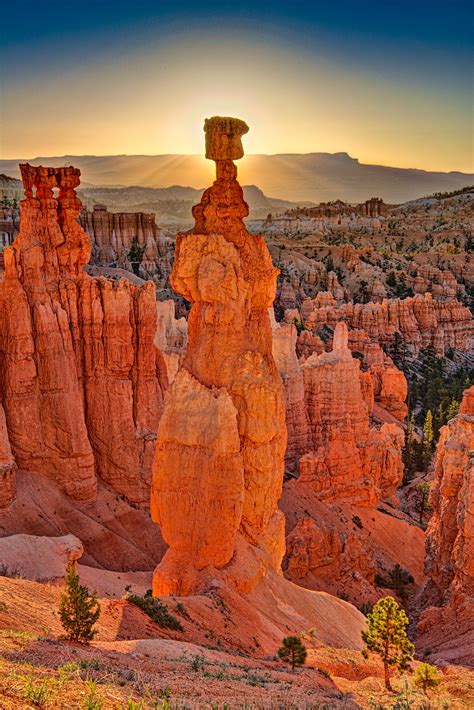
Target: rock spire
218, 468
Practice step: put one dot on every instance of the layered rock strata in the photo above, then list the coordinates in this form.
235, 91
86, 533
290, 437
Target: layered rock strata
446, 626
450, 533
348, 459
218, 468
82, 380
420, 321
128, 240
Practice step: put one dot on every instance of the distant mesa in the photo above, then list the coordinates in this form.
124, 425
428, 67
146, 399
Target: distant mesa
314, 177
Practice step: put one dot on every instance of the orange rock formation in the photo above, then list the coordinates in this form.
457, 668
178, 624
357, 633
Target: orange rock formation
348, 459
420, 321
447, 626
113, 236
81, 378
218, 469
450, 533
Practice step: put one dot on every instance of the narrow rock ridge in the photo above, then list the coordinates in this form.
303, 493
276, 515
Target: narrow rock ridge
81, 378
218, 468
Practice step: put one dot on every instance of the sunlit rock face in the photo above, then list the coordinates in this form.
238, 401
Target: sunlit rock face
348, 459
419, 321
446, 624
81, 379
218, 468
450, 533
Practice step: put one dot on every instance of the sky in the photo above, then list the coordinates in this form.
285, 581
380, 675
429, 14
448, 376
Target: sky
388, 82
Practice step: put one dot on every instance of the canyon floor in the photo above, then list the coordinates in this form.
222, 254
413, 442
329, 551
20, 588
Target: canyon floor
134, 663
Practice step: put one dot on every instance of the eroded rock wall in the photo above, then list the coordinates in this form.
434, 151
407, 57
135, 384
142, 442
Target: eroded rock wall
82, 380
450, 533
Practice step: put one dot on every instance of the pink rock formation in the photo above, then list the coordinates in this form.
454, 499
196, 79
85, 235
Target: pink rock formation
171, 337
7, 464
420, 321
450, 533
218, 469
284, 353
447, 626
82, 380
326, 553
347, 459
114, 235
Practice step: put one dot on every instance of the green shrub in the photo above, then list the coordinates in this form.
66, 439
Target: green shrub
156, 610
426, 677
38, 693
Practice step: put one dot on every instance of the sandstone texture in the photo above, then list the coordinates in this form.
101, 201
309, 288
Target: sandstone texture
347, 458
82, 381
446, 626
128, 240
38, 558
420, 321
450, 534
218, 469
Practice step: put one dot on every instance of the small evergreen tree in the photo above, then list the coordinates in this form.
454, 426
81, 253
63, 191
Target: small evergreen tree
293, 651
427, 440
386, 636
135, 256
426, 677
78, 610
422, 505
409, 451
453, 410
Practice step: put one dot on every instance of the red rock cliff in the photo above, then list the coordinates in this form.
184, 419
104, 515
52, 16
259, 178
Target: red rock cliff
450, 533
80, 375
218, 468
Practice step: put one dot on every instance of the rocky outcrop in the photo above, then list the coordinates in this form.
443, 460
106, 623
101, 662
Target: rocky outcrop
81, 378
7, 464
218, 468
321, 550
347, 460
284, 353
446, 625
450, 533
171, 337
419, 321
39, 558
128, 240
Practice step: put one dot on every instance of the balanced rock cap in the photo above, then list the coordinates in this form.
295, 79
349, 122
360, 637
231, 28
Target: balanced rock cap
223, 137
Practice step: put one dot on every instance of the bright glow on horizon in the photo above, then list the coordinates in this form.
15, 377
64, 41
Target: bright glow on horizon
154, 101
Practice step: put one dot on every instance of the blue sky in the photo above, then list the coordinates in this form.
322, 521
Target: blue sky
398, 51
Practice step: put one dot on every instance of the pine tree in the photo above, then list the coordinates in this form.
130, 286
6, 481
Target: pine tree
452, 410
386, 636
426, 677
409, 452
78, 610
293, 651
427, 440
422, 505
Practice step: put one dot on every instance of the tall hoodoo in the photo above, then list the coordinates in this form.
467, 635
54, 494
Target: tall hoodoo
218, 468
